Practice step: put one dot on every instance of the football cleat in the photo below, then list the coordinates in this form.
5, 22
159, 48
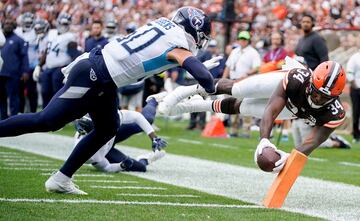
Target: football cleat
56, 185
344, 144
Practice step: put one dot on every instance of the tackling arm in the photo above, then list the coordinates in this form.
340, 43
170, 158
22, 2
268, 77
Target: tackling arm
194, 67
316, 137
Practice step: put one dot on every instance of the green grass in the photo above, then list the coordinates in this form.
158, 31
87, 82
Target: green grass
29, 184
243, 151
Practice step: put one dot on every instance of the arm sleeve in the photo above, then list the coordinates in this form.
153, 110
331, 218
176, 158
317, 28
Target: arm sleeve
136, 117
200, 73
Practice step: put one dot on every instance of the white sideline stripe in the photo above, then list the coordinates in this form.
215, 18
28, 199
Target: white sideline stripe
19, 200
15, 157
189, 141
27, 168
83, 175
158, 195
318, 159
28, 164
30, 161
106, 181
223, 146
319, 198
128, 187
8, 153
350, 164
166, 137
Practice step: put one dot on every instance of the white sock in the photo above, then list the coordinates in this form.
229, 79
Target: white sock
179, 94
107, 167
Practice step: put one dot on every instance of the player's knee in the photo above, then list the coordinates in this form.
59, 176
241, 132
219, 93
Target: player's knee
230, 105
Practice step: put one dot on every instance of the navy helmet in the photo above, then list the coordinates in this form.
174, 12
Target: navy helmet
63, 23
41, 27
27, 21
196, 23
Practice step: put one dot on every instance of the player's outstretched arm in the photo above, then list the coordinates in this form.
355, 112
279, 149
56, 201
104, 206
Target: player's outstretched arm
316, 137
274, 107
194, 67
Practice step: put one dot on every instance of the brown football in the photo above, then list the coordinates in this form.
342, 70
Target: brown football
266, 160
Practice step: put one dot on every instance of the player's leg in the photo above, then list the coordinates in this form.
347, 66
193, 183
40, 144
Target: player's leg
12, 88
46, 86
106, 122
3, 98
258, 86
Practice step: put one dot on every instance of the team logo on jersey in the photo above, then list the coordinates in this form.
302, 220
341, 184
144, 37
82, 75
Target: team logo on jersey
93, 76
196, 19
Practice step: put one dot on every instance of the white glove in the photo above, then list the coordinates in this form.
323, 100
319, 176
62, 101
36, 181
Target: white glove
213, 62
36, 73
264, 142
279, 165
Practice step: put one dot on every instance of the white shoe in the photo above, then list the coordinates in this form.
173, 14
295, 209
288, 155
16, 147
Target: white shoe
58, 184
152, 156
158, 97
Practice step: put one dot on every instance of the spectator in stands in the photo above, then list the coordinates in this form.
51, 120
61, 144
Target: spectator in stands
353, 77
243, 61
96, 39
16, 63
311, 46
274, 58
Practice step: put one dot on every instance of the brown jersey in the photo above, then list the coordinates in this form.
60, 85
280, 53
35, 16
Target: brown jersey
295, 83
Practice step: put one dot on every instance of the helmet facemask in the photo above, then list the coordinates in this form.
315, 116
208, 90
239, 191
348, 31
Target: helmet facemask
318, 97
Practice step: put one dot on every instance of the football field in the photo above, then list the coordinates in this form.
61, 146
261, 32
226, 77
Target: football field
199, 179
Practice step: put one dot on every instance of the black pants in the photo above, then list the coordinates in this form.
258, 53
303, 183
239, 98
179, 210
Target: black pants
355, 99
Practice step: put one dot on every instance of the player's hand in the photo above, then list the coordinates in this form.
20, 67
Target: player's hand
264, 142
213, 62
158, 143
36, 73
279, 165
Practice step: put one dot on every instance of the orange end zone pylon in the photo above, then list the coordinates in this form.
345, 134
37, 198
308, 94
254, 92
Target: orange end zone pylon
285, 180
214, 128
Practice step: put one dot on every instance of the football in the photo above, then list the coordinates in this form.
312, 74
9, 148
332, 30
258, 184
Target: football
266, 160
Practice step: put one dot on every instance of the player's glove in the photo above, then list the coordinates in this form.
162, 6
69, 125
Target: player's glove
264, 142
84, 125
279, 165
36, 73
158, 143
213, 62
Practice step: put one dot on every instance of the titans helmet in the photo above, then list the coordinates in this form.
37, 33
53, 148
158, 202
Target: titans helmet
196, 23
110, 27
27, 21
63, 23
41, 27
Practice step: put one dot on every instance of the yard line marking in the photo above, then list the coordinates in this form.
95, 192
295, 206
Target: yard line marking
223, 146
189, 141
318, 159
158, 195
26, 168
30, 161
210, 205
349, 164
83, 175
129, 187
28, 164
166, 137
8, 153
106, 181
15, 157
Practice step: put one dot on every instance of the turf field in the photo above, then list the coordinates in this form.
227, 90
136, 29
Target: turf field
128, 196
